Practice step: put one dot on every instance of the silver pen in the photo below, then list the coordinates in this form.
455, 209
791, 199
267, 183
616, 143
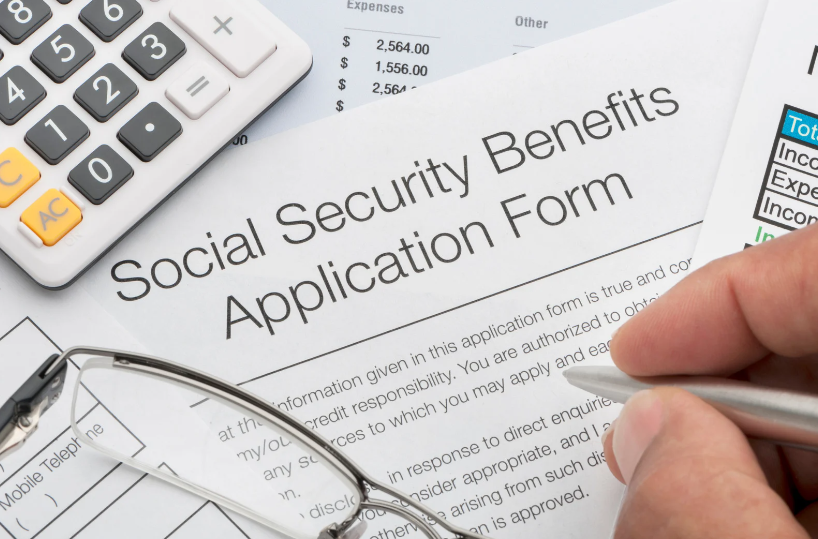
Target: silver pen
781, 416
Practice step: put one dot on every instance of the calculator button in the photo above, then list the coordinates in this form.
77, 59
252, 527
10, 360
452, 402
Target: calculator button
198, 90
150, 132
63, 53
100, 174
21, 18
228, 31
51, 217
17, 174
106, 92
19, 93
109, 18
154, 51
57, 135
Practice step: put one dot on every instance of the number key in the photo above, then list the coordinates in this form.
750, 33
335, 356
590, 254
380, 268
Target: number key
63, 53
57, 135
154, 51
106, 93
100, 174
109, 18
19, 93
21, 18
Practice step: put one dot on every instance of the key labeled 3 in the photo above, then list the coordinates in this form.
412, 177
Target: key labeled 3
154, 51
51, 217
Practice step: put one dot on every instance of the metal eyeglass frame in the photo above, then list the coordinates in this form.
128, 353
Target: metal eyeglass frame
231, 393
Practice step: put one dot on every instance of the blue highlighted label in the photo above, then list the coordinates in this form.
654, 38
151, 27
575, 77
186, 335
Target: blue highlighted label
801, 127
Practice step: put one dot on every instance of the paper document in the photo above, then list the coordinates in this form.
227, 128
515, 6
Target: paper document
768, 180
367, 51
411, 278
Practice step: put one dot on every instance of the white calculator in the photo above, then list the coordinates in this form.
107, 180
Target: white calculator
108, 106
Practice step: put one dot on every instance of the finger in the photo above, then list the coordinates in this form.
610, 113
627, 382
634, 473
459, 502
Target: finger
809, 520
776, 469
607, 445
730, 313
799, 374
691, 473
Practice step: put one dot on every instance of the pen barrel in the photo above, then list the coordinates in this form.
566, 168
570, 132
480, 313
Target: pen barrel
783, 416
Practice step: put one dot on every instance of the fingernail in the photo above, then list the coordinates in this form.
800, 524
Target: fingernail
637, 426
608, 431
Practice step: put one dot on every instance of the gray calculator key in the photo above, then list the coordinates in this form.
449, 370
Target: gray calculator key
106, 92
100, 174
154, 51
63, 53
57, 135
150, 132
19, 93
107, 19
21, 18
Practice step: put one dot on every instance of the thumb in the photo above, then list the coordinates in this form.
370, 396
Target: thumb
690, 474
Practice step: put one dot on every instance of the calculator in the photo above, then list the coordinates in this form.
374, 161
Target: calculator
108, 106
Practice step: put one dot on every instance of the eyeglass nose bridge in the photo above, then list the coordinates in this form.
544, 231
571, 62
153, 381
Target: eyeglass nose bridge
402, 510
424, 527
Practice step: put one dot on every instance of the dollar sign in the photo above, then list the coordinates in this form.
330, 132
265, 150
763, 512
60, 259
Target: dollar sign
342, 84
346, 41
339, 106
344, 62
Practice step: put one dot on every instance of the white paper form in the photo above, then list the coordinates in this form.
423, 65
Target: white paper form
55, 487
366, 51
411, 278
768, 180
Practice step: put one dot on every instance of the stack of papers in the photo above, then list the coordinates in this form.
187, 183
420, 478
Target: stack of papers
411, 277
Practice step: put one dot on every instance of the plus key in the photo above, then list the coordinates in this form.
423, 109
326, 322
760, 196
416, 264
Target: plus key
228, 31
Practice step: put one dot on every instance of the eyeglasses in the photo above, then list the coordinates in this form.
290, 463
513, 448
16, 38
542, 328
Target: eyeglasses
216, 440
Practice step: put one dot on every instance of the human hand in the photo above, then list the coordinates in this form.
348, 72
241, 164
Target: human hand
690, 472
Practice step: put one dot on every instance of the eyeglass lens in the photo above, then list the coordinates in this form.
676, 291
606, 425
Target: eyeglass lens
219, 446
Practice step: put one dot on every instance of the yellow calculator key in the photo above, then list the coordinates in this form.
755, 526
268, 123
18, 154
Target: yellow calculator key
17, 174
51, 217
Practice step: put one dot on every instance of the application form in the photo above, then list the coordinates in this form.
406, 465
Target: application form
368, 51
412, 277
768, 180
54, 486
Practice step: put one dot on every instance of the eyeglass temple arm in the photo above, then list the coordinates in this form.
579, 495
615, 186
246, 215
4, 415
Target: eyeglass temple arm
20, 415
360, 473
